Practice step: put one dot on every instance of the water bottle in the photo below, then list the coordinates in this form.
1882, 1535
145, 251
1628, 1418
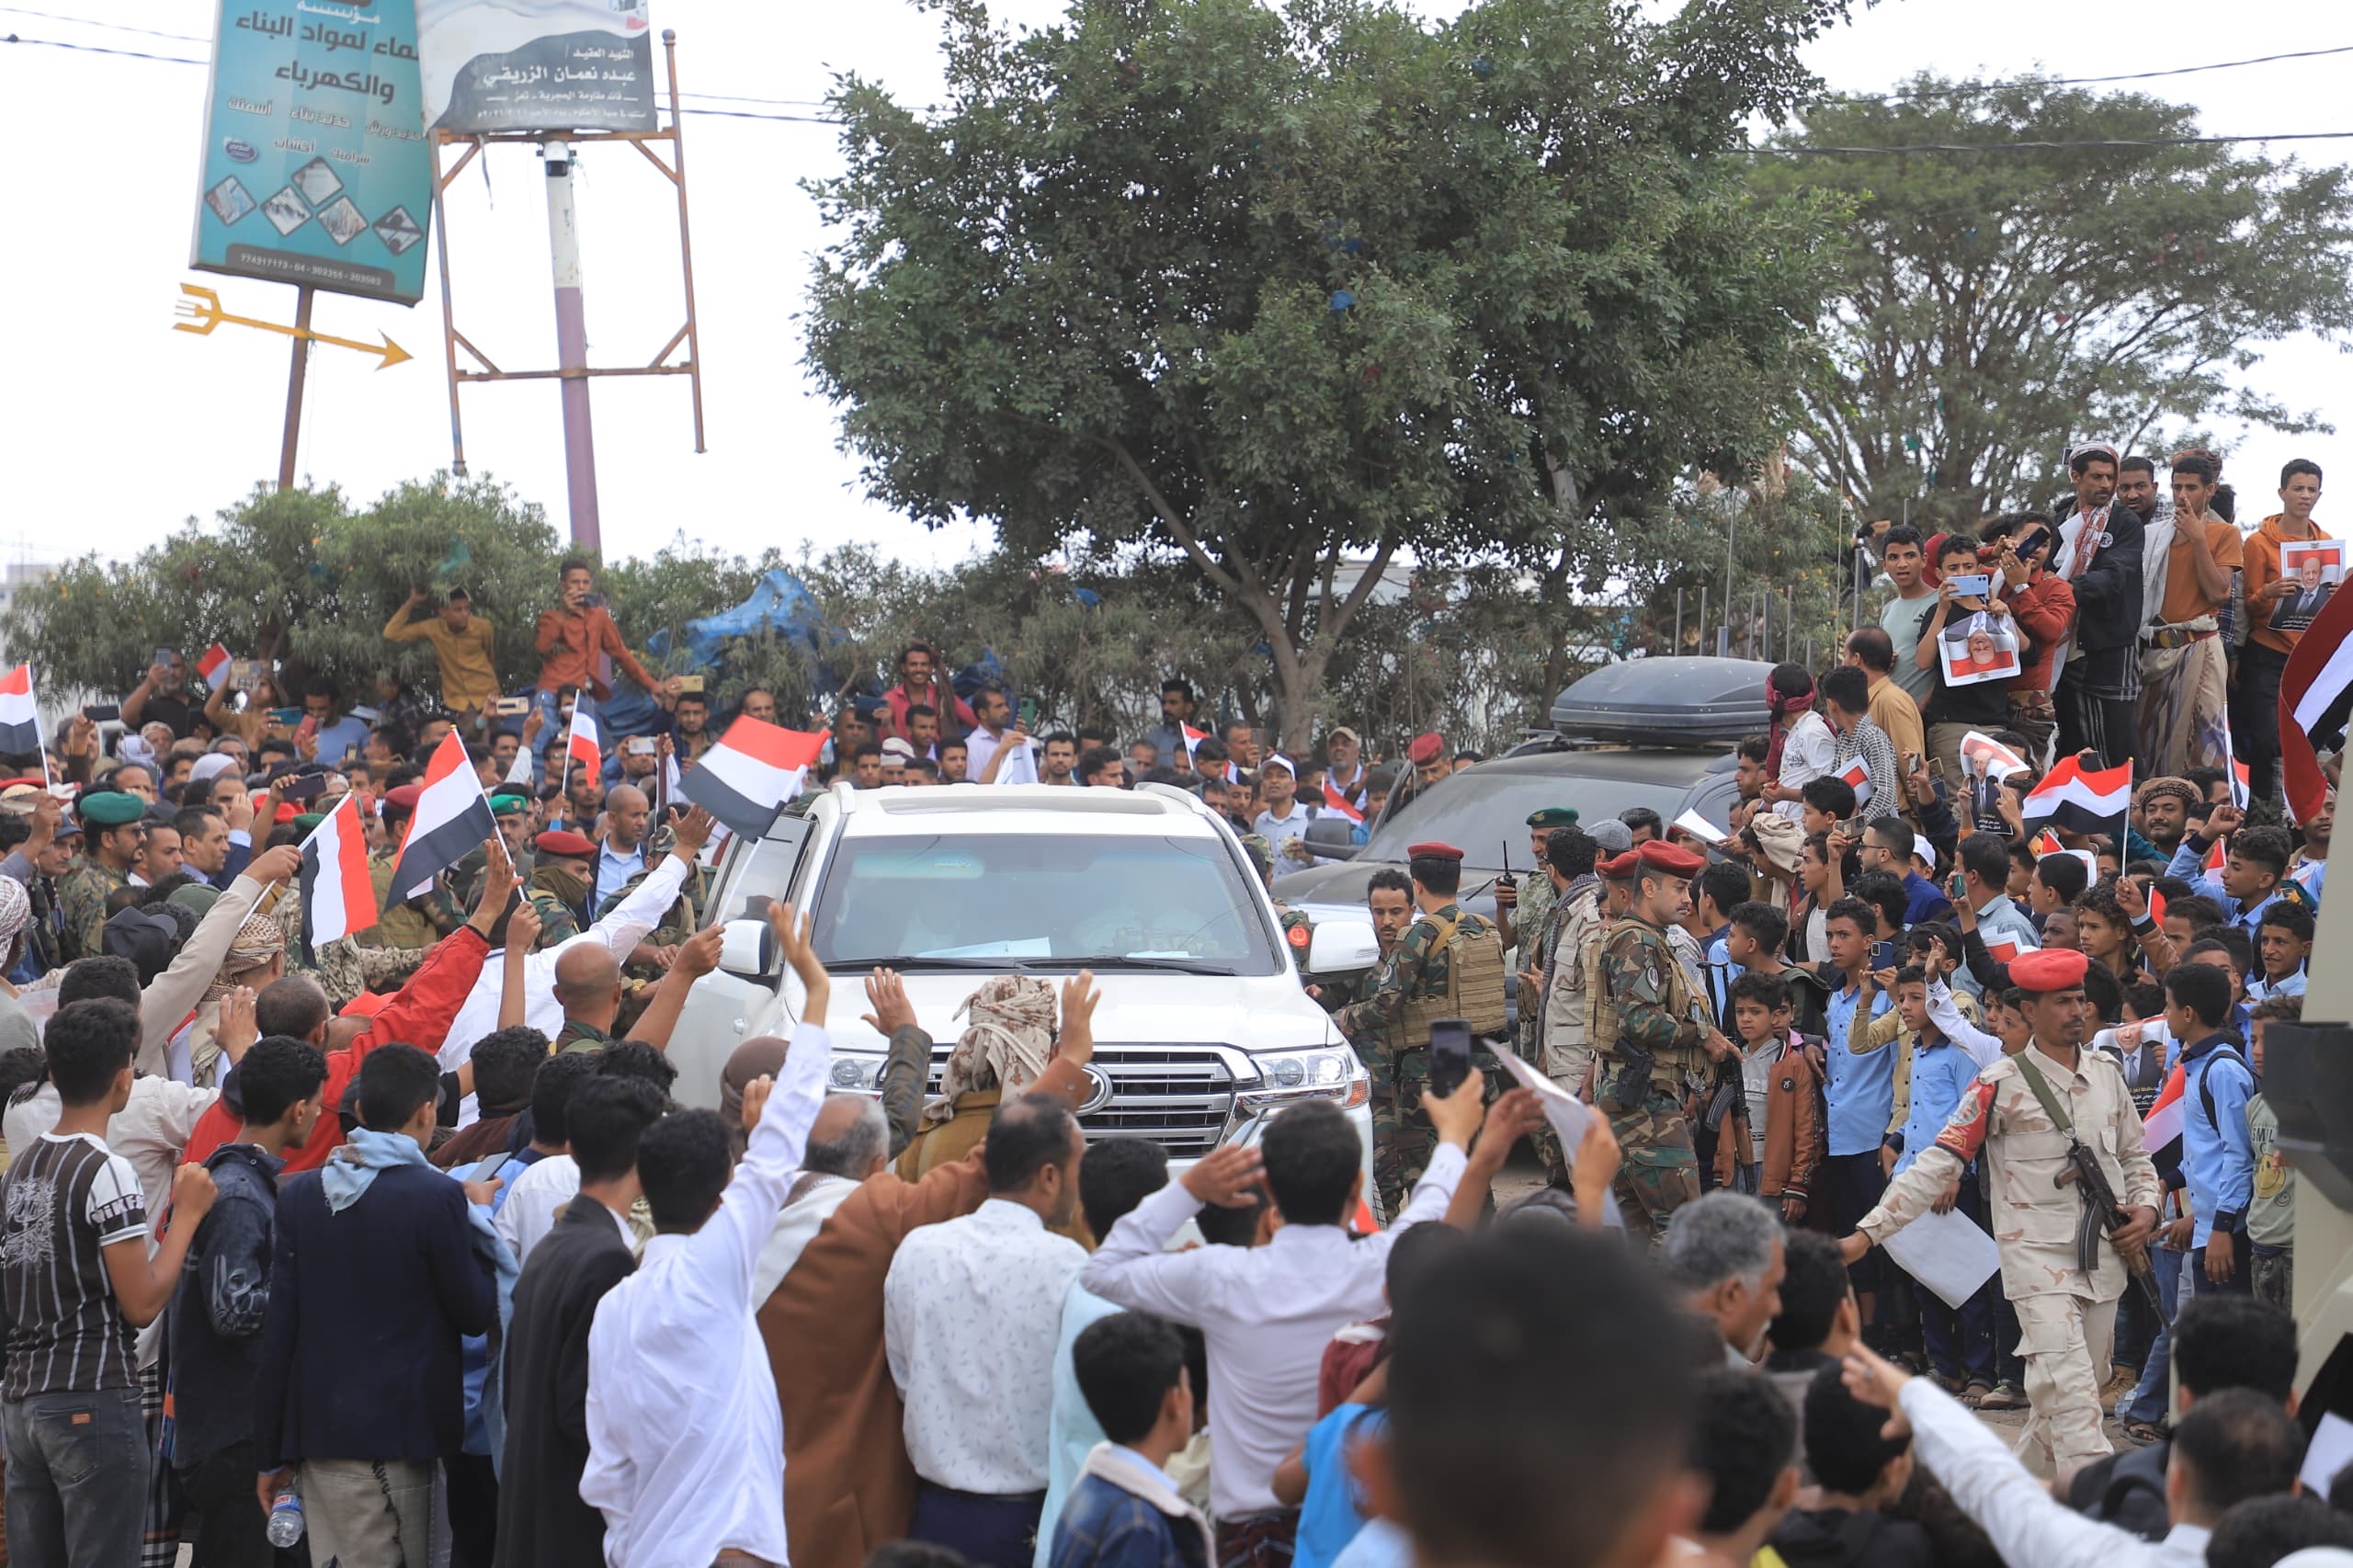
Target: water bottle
285, 1518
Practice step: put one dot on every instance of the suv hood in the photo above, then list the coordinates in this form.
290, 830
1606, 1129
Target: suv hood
1252, 1012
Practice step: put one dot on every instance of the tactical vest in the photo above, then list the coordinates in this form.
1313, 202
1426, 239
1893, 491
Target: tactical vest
1474, 981
1673, 1063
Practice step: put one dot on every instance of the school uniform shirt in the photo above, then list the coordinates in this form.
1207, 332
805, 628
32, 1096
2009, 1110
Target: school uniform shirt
2216, 1156
2188, 864
971, 1311
1940, 1073
1860, 1089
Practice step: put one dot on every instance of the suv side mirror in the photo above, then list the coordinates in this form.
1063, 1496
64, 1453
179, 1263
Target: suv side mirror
747, 949
1341, 947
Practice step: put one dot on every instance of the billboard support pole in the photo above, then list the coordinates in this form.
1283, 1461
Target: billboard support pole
572, 347
449, 324
294, 379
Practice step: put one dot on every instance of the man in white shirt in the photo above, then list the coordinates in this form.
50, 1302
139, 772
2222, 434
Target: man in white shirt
685, 1442
620, 855
1283, 824
1268, 1312
971, 1312
2229, 1446
620, 930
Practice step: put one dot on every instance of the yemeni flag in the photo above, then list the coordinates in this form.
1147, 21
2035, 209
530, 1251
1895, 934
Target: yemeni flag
746, 778
2240, 791
2156, 904
2162, 1124
2004, 950
338, 898
2082, 800
19, 718
1858, 777
2215, 857
584, 742
214, 667
1987, 757
2046, 842
1336, 801
452, 817
2318, 677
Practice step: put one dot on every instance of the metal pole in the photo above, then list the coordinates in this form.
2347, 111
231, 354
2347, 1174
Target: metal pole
295, 375
1732, 526
1789, 627
1703, 616
448, 323
572, 349
686, 245
1679, 619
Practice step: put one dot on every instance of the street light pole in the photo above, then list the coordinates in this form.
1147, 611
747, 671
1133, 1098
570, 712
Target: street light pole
572, 349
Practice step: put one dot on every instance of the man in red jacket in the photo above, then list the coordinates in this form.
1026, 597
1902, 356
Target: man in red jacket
418, 1014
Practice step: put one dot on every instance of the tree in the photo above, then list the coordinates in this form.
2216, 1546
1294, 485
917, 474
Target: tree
1266, 287
1996, 306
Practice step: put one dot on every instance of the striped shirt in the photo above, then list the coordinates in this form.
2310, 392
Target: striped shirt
66, 1200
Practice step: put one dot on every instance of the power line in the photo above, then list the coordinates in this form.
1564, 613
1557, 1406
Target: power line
2047, 146
95, 22
1965, 88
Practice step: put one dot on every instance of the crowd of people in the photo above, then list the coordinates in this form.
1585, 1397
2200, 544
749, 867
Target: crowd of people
1893, 1099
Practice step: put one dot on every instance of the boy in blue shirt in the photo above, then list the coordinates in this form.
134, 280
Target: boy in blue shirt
2255, 860
1860, 1092
1125, 1511
1960, 1342
2216, 1156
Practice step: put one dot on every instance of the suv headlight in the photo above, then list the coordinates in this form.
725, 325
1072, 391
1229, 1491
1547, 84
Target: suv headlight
857, 1073
1284, 1077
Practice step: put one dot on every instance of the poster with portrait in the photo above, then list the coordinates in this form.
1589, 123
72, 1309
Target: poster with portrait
1982, 648
2314, 567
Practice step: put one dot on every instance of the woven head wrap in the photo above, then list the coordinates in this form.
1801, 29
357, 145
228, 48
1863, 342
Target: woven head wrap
1007, 1045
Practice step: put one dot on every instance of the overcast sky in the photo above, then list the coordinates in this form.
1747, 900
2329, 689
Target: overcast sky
118, 427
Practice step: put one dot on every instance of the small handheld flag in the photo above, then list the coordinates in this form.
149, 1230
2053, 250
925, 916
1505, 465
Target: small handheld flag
2080, 798
2317, 679
214, 667
1858, 777
20, 717
452, 817
1336, 801
584, 742
748, 775
338, 898
2047, 843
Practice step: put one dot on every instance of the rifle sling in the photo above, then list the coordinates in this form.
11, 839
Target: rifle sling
2092, 1224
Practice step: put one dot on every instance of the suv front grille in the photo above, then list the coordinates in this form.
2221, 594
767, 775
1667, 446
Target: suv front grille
1178, 1097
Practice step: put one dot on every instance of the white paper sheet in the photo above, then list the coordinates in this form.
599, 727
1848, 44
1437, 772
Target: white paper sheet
1567, 1114
1949, 1254
1699, 827
2330, 1450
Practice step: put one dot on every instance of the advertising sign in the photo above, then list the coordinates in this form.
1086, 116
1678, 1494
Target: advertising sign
537, 64
316, 168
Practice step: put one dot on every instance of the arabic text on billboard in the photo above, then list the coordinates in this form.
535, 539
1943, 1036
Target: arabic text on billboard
316, 169
493, 65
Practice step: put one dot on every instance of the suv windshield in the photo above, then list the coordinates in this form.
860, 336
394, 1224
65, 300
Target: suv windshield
1039, 899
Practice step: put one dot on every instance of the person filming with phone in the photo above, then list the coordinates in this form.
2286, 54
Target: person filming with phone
161, 696
570, 639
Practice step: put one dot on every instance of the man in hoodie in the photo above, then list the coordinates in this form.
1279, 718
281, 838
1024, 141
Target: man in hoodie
223, 1295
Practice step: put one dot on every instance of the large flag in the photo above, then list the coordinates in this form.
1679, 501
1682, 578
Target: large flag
19, 719
1336, 801
338, 898
2081, 800
746, 778
584, 742
1984, 757
2318, 677
452, 817
214, 666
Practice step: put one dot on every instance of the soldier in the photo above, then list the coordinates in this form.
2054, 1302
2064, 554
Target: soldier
1299, 930
117, 833
1650, 1038
2062, 1268
1523, 905
404, 922
1448, 964
1557, 1043
559, 886
1389, 899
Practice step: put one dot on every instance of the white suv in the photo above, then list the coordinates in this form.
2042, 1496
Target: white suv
1203, 1031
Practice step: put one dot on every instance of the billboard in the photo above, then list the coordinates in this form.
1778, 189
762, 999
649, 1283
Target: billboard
316, 169
495, 65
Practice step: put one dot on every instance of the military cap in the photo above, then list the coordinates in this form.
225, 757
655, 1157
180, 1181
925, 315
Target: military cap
565, 844
1554, 816
1658, 855
506, 805
1433, 850
405, 798
1426, 748
111, 808
306, 821
1619, 867
2048, 968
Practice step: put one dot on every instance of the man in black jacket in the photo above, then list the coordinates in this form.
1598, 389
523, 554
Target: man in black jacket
223, 1296
379, 1272
2100, 554
540, 1515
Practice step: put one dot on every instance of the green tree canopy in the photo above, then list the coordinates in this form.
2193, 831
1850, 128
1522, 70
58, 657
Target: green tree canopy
1270, 286
1995, 307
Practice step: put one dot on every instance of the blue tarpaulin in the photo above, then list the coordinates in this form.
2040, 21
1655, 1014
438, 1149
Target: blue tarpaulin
781, 607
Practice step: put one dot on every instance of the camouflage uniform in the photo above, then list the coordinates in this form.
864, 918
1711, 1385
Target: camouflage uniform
1419, 969
1532, 923
559, 922
1649, 1041
83, 898
403, 924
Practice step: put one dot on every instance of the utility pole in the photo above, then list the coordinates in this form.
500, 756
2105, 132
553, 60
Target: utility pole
572, 349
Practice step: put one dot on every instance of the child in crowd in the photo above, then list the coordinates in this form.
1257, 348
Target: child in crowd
2271, 1217
2284, 945
1774, 1150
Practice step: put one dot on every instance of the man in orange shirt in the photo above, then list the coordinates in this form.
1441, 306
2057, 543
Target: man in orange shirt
572, 639
2255, 715
2184, 664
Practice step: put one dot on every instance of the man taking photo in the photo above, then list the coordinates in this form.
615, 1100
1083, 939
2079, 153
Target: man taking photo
572, 638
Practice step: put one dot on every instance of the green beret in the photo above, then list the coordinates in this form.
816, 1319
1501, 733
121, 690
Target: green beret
309, 820
196, 898
509, 805
111, 808
1554, 816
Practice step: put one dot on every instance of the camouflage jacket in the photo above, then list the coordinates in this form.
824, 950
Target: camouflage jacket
404, 923
1532, 915
83, 898
1649, 989
559, 922
1417, 967
1299, 931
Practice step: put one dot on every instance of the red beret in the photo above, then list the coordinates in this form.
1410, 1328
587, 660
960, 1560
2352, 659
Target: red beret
565, 844
1674, 860
405, 796
1618, 868
1432, 851
2048, 968
1425, 747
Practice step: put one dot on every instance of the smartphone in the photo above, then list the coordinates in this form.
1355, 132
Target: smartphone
2038, 538
1027, 714
641, 745
1449, 1054
307, 788
509, 707
1971, 585
309, 726
163, 657
1937, 768
689, 684
1911, 762
285, 715
102, 713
